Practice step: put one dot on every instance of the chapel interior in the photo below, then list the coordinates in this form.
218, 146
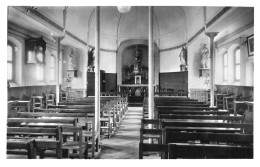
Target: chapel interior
130, 82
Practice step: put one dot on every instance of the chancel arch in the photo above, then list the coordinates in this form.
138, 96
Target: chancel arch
130, 44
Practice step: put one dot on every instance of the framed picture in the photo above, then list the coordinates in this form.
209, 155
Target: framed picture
250, 45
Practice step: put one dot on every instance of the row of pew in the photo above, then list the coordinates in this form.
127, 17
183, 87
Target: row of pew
66, 128
186, 128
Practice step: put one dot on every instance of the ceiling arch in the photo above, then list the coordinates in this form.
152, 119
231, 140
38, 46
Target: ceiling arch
173, 25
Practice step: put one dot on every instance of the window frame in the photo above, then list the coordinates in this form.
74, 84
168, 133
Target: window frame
12, 45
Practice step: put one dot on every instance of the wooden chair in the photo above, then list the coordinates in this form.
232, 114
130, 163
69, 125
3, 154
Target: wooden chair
50, 99
37, 102
63, 96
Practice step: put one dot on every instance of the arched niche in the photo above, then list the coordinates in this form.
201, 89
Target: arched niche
128, 43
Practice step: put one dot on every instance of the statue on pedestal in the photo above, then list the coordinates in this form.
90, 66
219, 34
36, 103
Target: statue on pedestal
137, 61
91, 58
183, 56
205, 59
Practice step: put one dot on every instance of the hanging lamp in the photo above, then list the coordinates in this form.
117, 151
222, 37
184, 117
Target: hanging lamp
123, 9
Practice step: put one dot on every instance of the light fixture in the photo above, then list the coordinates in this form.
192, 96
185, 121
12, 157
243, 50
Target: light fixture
123, 9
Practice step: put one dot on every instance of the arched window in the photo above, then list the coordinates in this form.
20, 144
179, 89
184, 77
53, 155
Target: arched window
225, 66
10, 60
52, 67
237, 64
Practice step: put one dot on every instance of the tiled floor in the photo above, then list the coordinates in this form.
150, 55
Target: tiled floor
124, 144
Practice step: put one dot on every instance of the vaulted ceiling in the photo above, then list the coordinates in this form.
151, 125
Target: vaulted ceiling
173, 25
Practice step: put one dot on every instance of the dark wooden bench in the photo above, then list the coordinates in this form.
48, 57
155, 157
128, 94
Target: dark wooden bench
186, 108
158, 148
69, 128
210, 125
84, 121
24, 144
104, 120
176, 102
206, 137
46, 122
182, 104
42, 144
184, 112
203, 117
71, 110
172, 98
69, 106
209, 151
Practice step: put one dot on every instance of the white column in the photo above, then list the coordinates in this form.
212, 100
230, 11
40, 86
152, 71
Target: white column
58, 39
211, 36
151, 66
97, 70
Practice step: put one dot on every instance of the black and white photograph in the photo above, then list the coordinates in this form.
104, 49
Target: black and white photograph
135, 81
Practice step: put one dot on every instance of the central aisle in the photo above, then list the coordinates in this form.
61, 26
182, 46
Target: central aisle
124, 144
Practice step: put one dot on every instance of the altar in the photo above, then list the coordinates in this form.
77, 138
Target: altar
135, 92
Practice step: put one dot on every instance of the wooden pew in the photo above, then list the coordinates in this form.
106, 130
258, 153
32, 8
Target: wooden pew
86, 120
44, 122
77, 142
65, 110
172, 98
203, 117
183, 112
108, 119
39, 143
206, 137
69, 106
105, 120
176, 102
159, 148
68, 125
26, 144
187, 126
209, 151
187, 108
181, 103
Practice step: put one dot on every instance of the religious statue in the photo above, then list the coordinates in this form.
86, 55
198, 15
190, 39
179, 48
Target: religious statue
205, 59
71, 64
91, 65
183, 56
137, 61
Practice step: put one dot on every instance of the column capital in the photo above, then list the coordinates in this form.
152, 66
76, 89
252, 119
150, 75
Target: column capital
211, 35
57, 38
